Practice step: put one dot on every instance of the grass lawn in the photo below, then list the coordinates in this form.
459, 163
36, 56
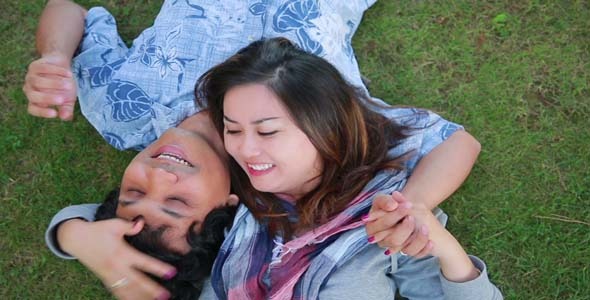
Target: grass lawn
515, 73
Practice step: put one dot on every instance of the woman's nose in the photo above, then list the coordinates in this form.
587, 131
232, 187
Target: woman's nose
249, 147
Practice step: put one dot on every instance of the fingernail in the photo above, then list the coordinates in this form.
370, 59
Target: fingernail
170, 274
387, 252
164, 296
371, 239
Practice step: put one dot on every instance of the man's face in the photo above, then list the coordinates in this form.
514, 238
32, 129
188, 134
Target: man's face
175, 182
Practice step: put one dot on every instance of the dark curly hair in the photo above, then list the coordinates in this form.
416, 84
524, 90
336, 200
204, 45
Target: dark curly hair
193, 267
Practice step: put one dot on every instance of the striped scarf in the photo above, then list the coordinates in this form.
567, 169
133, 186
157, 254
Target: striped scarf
253, 265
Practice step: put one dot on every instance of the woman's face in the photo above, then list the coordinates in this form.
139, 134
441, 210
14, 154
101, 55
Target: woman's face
261, 136
175, 182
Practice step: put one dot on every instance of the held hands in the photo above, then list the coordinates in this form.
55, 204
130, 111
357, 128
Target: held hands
101, 248
398, 225
50, 88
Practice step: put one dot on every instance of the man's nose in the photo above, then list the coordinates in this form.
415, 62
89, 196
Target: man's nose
164, 173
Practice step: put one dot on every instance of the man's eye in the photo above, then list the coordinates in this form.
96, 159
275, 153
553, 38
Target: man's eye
177, 200
269, 133
136, 192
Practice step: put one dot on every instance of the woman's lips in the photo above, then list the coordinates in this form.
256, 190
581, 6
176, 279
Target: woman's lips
259, 169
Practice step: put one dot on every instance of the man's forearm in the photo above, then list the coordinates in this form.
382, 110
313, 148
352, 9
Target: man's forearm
442, 171
61, 27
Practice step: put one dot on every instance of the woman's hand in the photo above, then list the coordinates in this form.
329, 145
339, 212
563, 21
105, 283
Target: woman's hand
101, 248
50, 88
392, 223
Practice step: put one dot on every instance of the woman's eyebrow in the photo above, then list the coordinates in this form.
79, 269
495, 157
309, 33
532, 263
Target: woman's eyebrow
253, 122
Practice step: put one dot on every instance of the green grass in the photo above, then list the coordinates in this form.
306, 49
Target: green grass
515, 73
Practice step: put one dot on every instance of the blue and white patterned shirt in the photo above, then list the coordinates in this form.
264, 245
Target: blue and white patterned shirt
132, 95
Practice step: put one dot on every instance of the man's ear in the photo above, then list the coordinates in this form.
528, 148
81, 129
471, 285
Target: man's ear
232, 200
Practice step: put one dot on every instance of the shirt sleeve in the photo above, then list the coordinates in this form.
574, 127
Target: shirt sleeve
425, 130
480, 288
82, 211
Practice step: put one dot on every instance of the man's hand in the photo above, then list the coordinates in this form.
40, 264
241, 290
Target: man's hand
50, 88
393, 225
101, 248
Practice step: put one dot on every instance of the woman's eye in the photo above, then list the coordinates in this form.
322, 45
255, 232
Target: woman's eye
269, 133
230, 132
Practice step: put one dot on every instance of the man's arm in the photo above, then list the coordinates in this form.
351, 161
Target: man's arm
442, 171
49, 84
60, 28
435, 178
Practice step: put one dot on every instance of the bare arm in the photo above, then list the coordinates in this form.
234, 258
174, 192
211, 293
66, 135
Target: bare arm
60, 28
49, 84
435, 178
442, 171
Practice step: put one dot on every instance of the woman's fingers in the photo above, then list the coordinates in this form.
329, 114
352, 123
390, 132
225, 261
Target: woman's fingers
396, 237
387, 220
135, 285
427, 250
148, 264
417, 242
381, 205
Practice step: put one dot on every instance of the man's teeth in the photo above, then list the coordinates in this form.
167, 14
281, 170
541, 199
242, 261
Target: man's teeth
260, 167
174, 158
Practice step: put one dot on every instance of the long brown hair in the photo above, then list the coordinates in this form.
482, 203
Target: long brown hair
351, 138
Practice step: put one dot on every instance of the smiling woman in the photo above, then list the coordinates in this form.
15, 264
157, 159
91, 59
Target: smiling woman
310, 155
264, 140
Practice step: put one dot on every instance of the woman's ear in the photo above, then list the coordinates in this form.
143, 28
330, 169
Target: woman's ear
232, 200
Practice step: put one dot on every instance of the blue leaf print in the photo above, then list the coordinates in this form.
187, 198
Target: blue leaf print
146, 54
180, 77
128, 101
447, 130
308, 44
90, 24
80, 74
110, 21
100, 38
348, 45
170, 36
114, 140
415, 119
100, 76
258, 9
104, 55
295, 15
200, 14
183, 61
